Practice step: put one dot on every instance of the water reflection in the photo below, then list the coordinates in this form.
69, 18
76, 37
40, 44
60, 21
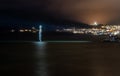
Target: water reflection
59, 59
41, 61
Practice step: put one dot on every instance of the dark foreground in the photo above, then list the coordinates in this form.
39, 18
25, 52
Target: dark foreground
59, 59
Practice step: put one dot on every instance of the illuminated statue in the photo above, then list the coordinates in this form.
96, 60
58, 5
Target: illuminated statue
40, 33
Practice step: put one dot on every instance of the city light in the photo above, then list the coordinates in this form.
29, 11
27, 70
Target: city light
21, 30
95, 23
99, 30
12, 30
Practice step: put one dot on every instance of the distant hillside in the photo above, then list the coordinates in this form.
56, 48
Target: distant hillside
15, 17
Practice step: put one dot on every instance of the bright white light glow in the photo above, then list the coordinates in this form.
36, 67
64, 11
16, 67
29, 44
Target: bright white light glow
75, 32
95, 23
117, 32
40, 33
21, 30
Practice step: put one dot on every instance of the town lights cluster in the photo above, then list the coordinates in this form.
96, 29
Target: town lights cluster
100, 30
23, 30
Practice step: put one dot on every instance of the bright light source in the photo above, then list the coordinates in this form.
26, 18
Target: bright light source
26, 30
21, 30
95, 23
117, 32
75, 32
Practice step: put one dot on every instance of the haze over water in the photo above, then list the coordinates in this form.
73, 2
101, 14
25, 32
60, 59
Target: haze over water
59, 59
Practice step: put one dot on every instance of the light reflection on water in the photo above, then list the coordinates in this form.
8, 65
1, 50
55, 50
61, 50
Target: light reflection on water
41, 64
60, 59
75, 59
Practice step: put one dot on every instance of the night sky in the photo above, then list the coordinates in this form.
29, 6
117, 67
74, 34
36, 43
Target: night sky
86, 11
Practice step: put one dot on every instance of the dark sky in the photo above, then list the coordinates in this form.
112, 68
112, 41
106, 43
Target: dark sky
87, 11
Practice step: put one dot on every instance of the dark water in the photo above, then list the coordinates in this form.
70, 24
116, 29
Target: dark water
59, 59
